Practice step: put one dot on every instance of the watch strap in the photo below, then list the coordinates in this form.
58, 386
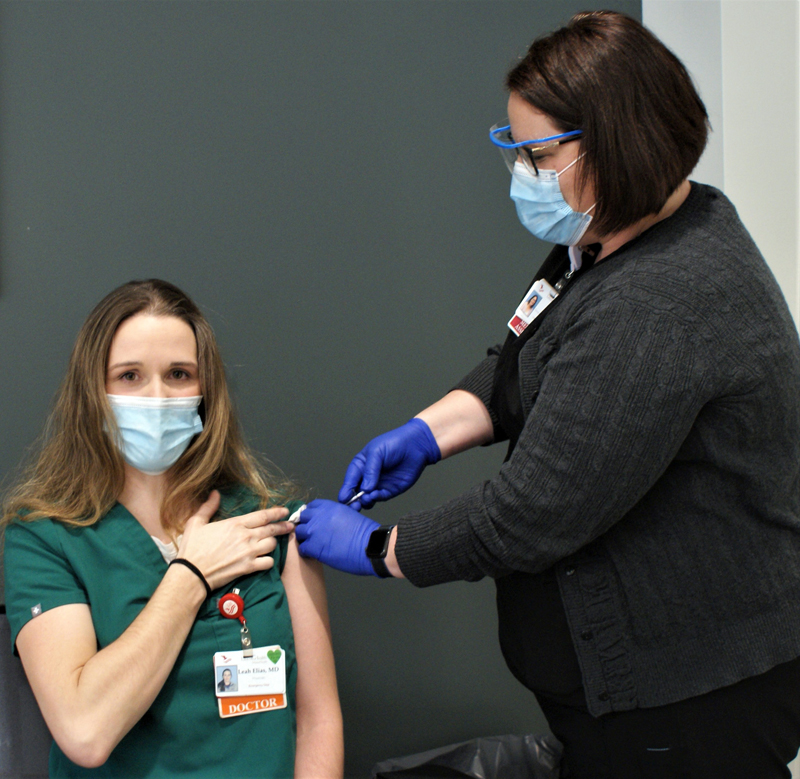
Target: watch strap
379, 565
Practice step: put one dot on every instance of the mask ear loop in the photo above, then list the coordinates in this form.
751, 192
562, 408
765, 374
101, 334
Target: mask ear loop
564, 170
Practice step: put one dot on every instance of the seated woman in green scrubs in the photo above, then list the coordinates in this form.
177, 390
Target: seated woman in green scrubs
143, 464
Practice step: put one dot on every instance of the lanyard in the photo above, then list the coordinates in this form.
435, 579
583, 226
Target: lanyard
506, 394
231, 606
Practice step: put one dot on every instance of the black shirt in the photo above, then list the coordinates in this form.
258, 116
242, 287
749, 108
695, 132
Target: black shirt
534, 632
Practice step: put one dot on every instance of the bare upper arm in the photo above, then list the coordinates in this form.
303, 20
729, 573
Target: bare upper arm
308, 605
53, 648
316, 674
320, 747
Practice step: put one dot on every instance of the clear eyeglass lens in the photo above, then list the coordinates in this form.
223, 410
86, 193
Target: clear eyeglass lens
526, 157
527, 154
510, 156
520, 154
523, 154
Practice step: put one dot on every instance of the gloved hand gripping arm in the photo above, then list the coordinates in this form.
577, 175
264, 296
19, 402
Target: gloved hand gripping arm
337, 536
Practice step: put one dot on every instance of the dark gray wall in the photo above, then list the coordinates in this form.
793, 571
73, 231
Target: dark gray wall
318, 176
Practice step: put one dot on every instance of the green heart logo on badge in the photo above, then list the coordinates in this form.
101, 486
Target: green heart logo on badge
274, 655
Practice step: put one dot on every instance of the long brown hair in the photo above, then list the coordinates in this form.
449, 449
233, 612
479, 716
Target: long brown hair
644, 125
79, 472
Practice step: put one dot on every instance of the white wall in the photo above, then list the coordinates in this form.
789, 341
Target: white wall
760, 113
744, 58
693, 30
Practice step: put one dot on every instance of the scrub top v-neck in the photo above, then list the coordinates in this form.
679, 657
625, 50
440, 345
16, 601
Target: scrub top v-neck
114, 567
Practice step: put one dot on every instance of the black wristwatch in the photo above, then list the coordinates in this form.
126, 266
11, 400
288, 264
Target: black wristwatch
377, 547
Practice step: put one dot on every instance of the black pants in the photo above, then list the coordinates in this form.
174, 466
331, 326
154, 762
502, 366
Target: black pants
749, 730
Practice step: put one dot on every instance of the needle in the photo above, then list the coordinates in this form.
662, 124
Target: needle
354, 498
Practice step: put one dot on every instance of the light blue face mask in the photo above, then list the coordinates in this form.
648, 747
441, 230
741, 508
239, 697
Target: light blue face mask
542, 209
155, 432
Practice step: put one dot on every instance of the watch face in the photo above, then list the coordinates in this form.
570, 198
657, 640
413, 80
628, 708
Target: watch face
378, 543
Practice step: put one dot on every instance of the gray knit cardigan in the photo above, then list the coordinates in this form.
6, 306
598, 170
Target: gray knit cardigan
658, 470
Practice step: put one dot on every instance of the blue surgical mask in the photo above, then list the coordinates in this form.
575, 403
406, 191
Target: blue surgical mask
155, 432
542, 209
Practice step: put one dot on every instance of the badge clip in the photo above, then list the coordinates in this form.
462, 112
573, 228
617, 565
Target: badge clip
247, 643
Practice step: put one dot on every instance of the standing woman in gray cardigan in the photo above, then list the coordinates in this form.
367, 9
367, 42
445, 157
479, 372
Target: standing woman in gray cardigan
644, 530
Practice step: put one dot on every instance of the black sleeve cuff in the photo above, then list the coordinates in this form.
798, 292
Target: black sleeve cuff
480, 381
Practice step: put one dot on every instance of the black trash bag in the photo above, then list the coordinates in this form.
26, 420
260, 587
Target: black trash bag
492, 757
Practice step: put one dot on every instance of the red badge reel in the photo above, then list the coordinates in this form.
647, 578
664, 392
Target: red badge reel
231, 606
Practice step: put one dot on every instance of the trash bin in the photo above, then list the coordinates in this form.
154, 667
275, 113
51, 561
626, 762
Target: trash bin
490, 757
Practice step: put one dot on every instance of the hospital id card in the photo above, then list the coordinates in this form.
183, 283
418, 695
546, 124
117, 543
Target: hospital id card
249, 685
536, 300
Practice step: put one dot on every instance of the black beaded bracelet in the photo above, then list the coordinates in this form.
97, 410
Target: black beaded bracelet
194, 569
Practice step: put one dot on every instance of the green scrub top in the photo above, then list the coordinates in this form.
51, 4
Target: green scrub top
114, 567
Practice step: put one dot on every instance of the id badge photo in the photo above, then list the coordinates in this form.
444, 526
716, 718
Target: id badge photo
536, 300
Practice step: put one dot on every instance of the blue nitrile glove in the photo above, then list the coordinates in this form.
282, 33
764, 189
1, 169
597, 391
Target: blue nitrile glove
337, 536
390, 464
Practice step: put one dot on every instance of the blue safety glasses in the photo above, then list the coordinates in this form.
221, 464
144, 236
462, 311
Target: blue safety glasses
525, 151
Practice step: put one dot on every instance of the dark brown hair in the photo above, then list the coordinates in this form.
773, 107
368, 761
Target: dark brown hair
644, 124
79, 474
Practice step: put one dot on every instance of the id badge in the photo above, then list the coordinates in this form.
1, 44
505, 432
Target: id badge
249, 685
536, 300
